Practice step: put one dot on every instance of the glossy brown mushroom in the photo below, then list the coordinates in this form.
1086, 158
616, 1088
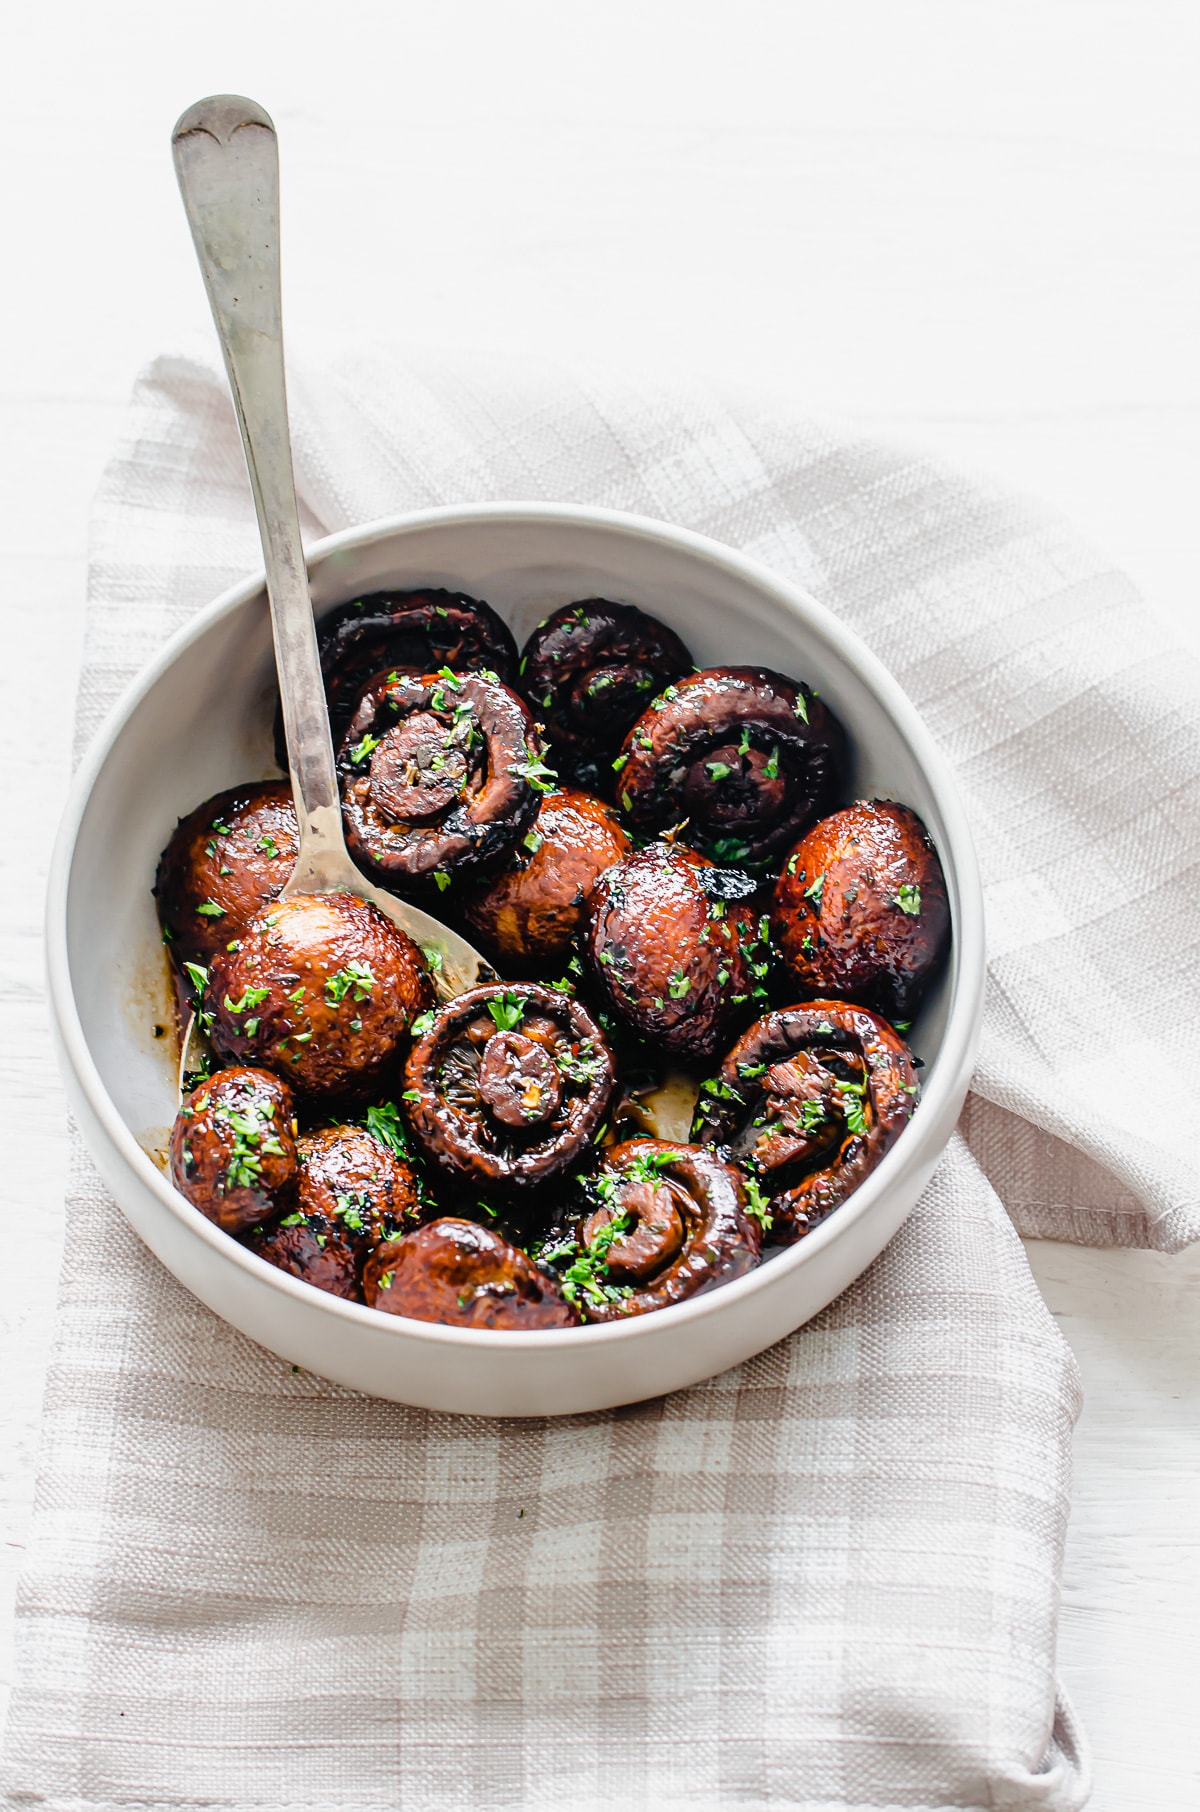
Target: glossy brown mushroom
861, 909
404, 632
745, 757
527, 916
678, 948
509, 1085
233, 1148
352, 1193
440, 774
225, 861
590, 670
808, 1101
463, 1275
668, 1222
322, 989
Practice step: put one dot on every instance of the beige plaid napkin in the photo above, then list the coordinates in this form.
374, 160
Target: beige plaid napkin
825, 1580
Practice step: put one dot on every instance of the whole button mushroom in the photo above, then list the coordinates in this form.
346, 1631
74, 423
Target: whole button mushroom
321, 989
679, 949
233, 1148
403, 632
352, 1193
861, 910
589, 671
526, 917
508, 1085
808, 1101
464, 1275
747, 758
441, 776
668, 1222
225, 862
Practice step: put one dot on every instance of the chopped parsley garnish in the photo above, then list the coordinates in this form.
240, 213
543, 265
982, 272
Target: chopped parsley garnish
197, 976
802, 707
210, 910
356, 977
744, 744
253, 997
758, 1205
718, 770
815, 891
678, 986
532, 841
507, 1012
908, 899
541, 778
268, 846
421, 1024
442, 880
771, 766
365, 747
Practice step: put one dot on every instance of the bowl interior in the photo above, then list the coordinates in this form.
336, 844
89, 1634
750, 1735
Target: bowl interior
201, 720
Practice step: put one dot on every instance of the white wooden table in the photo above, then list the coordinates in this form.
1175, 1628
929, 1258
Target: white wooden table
972, 226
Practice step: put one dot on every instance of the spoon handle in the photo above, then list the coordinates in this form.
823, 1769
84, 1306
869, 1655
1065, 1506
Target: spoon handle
227, 161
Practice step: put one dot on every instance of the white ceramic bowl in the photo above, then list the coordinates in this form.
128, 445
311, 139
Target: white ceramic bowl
199, 719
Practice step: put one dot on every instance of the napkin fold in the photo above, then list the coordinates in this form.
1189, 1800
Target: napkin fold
827, 1579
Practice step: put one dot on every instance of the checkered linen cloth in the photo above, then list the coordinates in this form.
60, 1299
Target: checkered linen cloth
827, 1579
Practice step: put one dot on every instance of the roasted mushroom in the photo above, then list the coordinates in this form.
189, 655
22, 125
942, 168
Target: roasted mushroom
808, 1101
233, 1148
464, 1275
321, 989
352, 1193
678, 948
508, 1085
747, 758
224, 863
861, 909
666, 1222
527, 916
403, 632
441, 776
590, 670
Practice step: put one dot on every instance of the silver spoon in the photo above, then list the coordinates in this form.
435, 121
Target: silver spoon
227, 161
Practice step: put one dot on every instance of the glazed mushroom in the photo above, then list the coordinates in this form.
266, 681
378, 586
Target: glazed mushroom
321, 989
509, 1085
464, 1275
527, 917
861, 909
589, 671
807, 1102
403, 632
352, 1194
441, 776
667, 1222
747, 758
679, 949
233, 1148
225, 861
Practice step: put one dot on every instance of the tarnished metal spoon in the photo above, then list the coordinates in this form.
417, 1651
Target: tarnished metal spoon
227, 161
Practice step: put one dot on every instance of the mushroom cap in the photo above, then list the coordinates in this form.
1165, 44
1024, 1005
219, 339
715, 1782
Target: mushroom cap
589, 670
509, 1085
440, 774
233, 1148
322, 989
746, 757
679, 948
352, 1193
861, 910
808, 1102
225, 862
463, 1275
527, 915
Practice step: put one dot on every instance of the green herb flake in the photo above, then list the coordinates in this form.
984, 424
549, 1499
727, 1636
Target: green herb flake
210, 910
364, 748
815, 891
908, 899
507, 1012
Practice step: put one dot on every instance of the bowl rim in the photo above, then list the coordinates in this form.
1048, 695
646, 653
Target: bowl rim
936, 1111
